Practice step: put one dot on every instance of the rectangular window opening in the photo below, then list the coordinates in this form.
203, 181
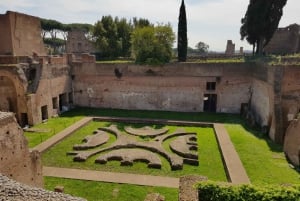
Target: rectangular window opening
54, 103
211, 86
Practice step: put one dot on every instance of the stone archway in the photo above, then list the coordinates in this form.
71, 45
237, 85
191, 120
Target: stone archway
8, 95
13, 94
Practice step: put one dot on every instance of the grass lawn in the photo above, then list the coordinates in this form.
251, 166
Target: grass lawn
100, 191
55, 125
209, 155
263, 160
52, 127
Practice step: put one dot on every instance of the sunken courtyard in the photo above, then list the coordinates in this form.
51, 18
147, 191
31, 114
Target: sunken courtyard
206, 100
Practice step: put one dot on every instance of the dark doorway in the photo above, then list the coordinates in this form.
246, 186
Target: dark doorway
11, 106
54, 103
24, 119
210, 103
70, 98
44, 110
62, 101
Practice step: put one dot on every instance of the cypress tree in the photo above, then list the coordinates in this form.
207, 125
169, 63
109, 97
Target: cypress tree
182, 43
261, 21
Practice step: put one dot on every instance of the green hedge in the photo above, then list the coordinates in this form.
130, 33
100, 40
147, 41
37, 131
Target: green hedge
210, 191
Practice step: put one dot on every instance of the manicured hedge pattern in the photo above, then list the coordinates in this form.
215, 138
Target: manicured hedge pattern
210, 191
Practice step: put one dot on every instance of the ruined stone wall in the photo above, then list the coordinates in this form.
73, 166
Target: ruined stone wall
26, 88
290, 93
13, 86
276, 97
230, 48
20, 35
234, 85
262, 97
261, 103
292, 142
16, 161
78, 43
6, 47
173, 87
55, 80
285, 41
7, 102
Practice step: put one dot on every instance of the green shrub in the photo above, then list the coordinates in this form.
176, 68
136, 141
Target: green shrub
211, 191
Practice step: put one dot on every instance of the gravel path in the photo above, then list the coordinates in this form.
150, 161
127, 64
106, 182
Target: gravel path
13, 191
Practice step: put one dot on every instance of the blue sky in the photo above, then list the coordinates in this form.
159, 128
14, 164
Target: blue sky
210, 21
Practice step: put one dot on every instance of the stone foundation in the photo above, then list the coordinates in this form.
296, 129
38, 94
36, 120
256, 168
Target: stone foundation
16, 161
13, 191
187, 192
292, 142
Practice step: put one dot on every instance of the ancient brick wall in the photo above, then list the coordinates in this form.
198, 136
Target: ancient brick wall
78, 43
285, 41
262, 97
35, 92
53, 94
6, 47
292, 142
277, 97
20, 35
290, 93
261, 102
13, 87
16, 161
230, 48
173, 87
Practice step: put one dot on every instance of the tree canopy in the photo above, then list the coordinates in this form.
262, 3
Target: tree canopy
261, 21
51, 29
182, 42
202, 47
117, 37
152, 44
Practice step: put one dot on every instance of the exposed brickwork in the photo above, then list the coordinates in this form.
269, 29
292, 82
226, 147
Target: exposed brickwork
285, 40
20, 35
292, 142
78, 43
15, 159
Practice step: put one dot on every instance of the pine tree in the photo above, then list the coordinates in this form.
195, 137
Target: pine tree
182, 43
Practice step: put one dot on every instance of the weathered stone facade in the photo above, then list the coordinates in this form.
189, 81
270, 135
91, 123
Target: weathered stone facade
173, 87
36, 90
230, 48
32, 85
20, 35
16, 161
285, 41
77, 43
292, 142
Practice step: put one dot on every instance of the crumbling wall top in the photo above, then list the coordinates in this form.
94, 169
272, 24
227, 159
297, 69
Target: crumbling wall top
20, 35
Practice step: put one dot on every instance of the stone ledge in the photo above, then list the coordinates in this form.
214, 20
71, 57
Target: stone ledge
12, 190
6, 117
187, 192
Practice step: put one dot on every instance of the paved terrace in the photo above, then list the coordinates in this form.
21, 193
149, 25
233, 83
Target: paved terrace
234, 168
